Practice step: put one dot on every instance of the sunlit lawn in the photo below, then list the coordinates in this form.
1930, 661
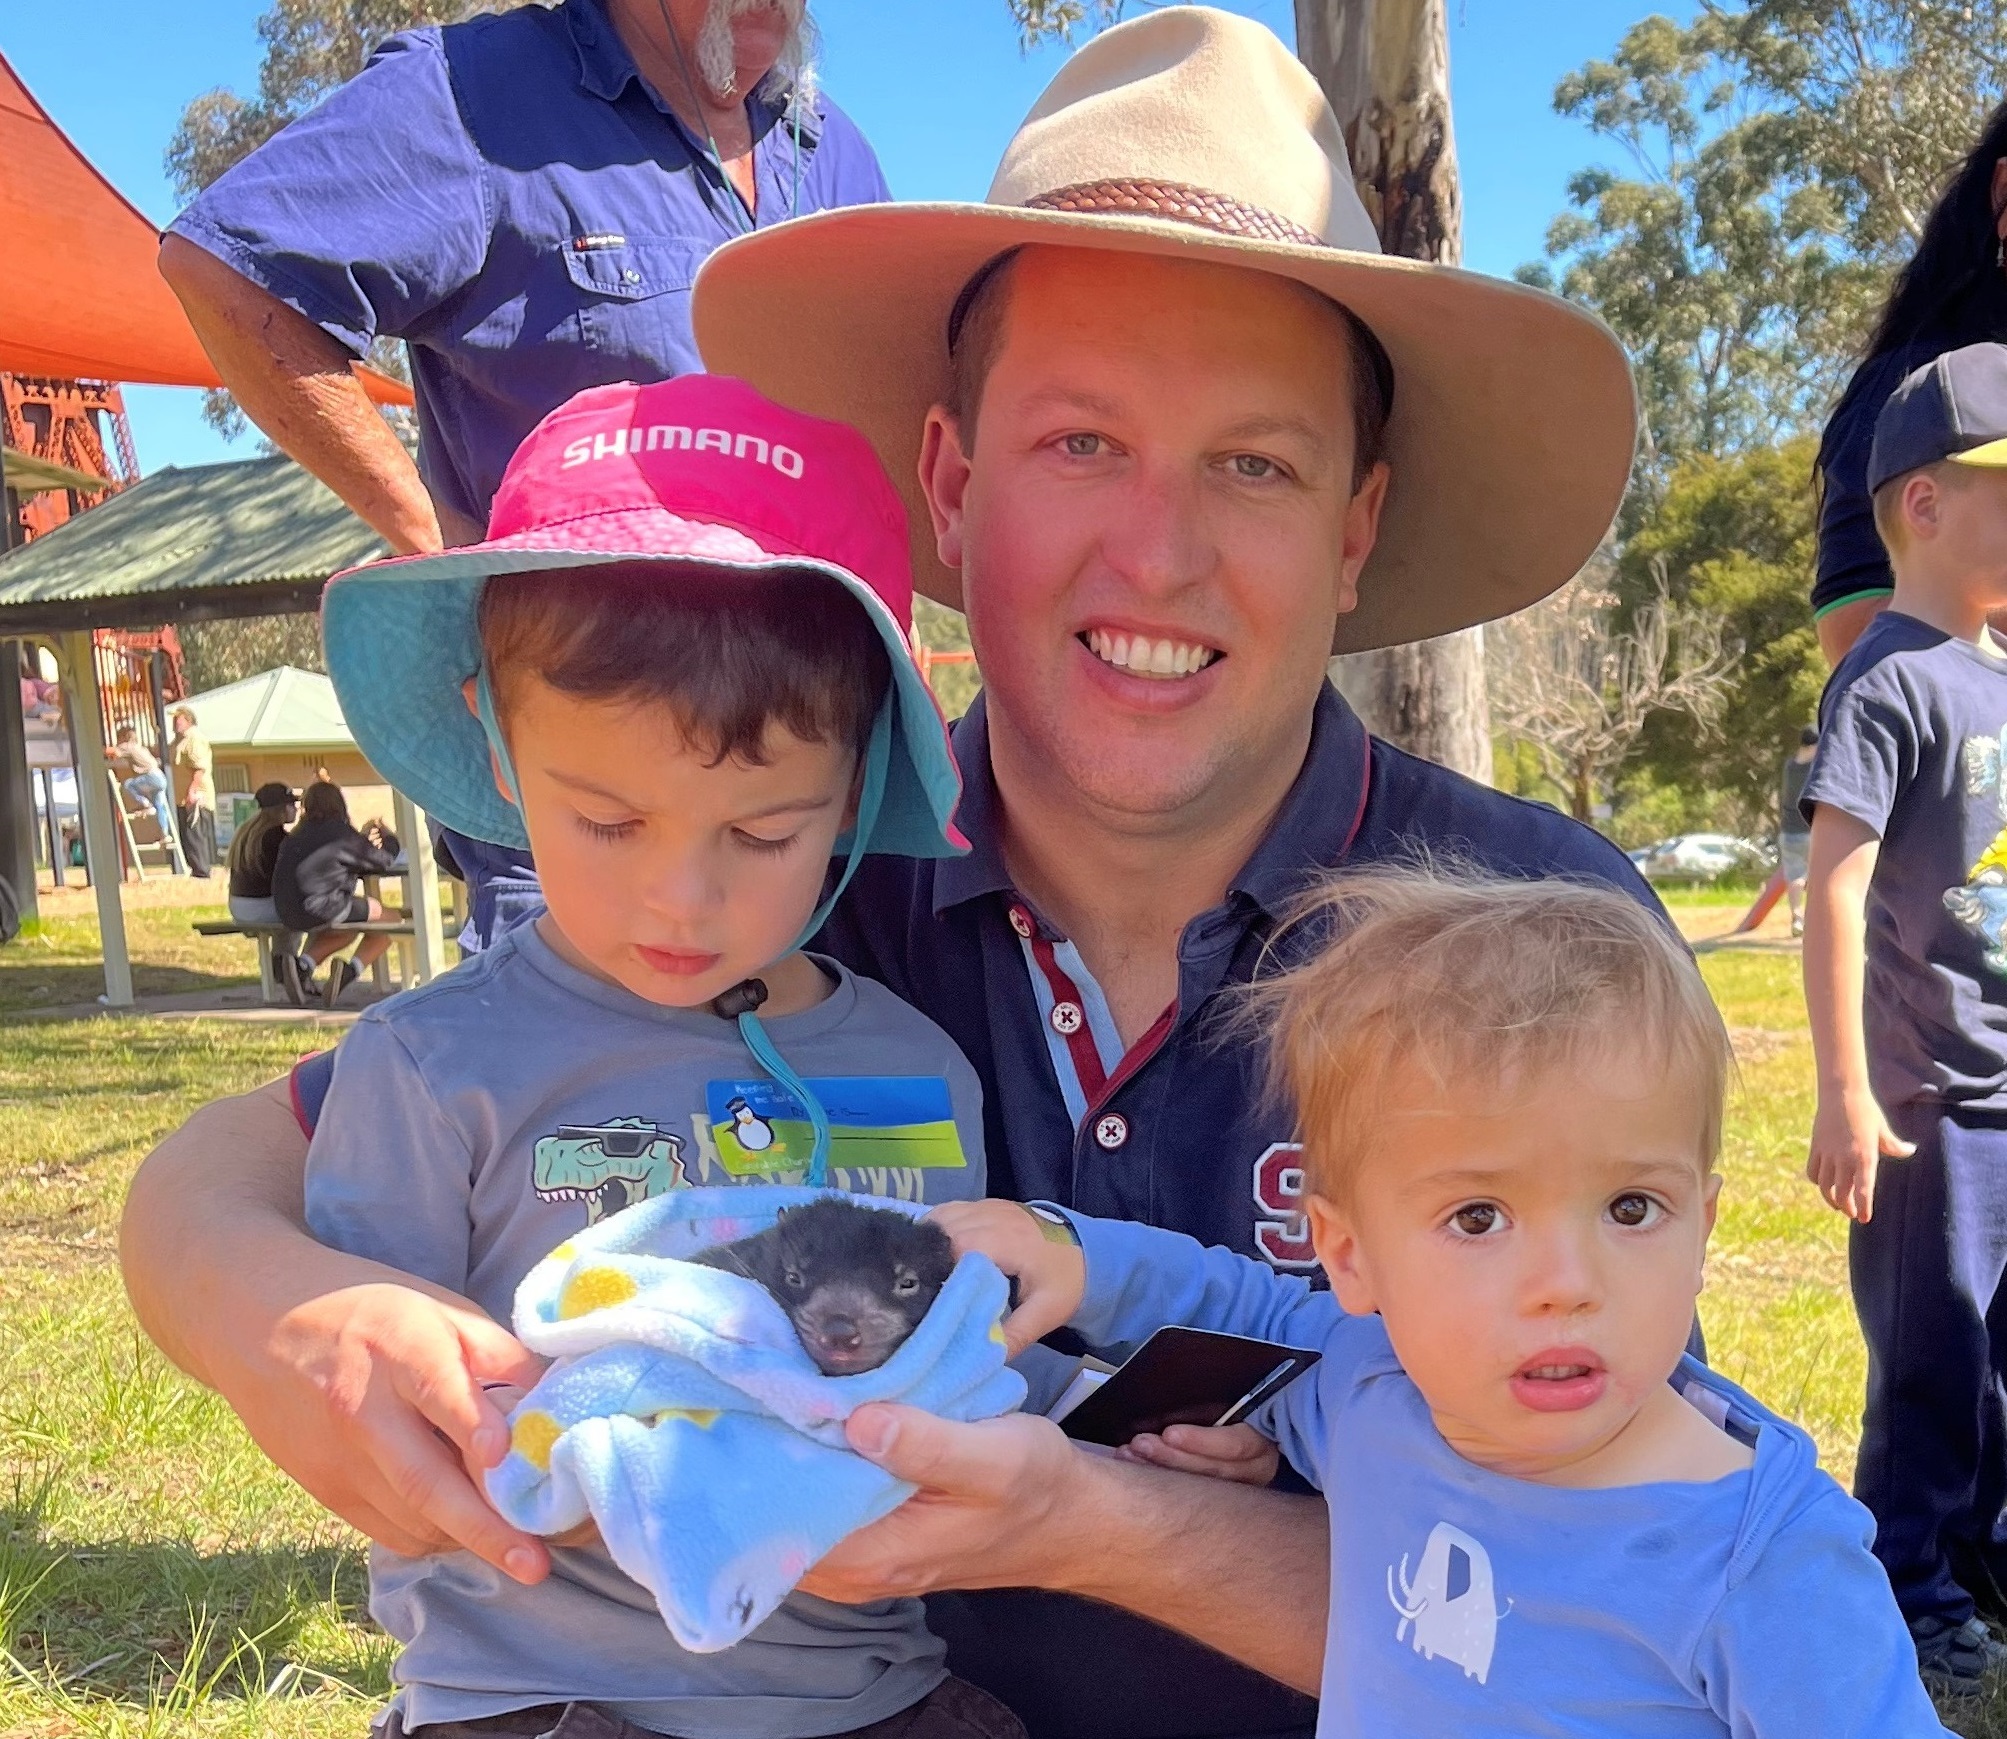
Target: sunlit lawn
156, 1577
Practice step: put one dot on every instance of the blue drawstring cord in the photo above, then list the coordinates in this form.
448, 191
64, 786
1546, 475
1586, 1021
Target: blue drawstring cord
853, 844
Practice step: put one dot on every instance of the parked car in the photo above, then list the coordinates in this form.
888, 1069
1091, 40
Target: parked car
1700, 857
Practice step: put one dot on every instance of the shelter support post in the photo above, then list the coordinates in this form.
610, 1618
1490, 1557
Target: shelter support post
84, 709
421, 888
17, 798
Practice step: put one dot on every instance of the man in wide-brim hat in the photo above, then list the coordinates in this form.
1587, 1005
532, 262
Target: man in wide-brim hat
1172, 430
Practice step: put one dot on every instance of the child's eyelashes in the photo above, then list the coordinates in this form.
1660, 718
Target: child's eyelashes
608, 831
765, 847
1636, 1211
1476, 1220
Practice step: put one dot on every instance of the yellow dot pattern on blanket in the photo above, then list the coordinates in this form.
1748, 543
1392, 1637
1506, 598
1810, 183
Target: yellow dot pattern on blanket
997, 1334
563, 1253
593, 1289
532, 1437
701, 1417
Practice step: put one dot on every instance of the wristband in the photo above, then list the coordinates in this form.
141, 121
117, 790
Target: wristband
1053, 1226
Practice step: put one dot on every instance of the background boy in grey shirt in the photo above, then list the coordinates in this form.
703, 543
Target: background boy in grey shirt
681, 674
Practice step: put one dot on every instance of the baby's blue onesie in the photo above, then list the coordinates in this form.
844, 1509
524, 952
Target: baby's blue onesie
1467, 1603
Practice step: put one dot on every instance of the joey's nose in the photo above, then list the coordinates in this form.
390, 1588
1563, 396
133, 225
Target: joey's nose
840, 1334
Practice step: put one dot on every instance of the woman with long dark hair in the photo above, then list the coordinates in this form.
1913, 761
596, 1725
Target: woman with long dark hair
1953, 292
315, 886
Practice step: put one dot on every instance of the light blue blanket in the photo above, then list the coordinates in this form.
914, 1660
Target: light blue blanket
684, 1417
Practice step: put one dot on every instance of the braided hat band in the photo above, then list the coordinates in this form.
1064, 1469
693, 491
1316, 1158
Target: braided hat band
1138, 196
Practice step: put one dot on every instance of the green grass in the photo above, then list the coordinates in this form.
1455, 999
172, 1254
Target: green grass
159, 1578
58, 963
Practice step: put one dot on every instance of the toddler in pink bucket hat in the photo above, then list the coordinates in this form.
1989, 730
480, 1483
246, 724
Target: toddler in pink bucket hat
696, 491
680, 670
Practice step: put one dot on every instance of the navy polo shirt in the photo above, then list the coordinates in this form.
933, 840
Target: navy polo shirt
511, 199
1178, 1132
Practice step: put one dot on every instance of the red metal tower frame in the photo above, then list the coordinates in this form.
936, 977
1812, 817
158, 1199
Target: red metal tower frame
82, 424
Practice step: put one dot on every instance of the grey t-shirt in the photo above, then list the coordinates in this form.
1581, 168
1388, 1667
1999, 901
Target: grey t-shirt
1912, 732
477, 1122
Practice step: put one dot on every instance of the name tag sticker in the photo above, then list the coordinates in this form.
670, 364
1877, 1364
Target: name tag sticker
875, 1122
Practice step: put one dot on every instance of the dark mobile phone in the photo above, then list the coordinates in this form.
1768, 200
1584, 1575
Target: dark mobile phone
1186, 1376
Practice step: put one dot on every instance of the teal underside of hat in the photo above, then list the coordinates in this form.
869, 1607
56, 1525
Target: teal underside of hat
403, 639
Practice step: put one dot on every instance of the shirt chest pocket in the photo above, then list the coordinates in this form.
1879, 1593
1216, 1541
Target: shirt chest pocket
633, 297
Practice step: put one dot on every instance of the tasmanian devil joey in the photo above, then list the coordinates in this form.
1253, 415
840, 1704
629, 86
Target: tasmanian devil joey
855, 1281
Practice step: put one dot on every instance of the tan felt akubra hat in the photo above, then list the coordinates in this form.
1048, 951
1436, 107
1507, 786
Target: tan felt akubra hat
1195, 134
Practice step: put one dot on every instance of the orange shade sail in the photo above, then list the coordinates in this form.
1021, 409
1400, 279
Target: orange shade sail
81, 296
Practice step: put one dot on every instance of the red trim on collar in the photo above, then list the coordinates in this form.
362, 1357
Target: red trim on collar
1365, 789
1080, 1045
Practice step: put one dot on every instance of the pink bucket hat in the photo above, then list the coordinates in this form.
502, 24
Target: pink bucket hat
697, 471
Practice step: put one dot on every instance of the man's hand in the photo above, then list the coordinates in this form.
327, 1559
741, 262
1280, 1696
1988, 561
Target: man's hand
1850, 1138
1010, 1503
989, 1493
1236, 1452
1049, 1268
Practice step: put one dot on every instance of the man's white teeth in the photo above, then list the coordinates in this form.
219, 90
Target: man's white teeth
1141, 656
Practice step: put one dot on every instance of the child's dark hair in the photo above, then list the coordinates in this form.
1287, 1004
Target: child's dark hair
731, 654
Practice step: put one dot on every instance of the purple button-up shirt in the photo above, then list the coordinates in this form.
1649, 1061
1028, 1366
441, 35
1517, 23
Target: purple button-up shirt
512, 200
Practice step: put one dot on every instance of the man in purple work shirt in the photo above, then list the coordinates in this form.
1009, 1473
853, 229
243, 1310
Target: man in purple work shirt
1170, 427
524, 199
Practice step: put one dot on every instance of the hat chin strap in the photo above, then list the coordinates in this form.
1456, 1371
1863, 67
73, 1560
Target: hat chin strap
498, 745
741, 1003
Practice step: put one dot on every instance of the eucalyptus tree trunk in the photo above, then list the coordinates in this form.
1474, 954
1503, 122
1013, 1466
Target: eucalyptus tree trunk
1384, 65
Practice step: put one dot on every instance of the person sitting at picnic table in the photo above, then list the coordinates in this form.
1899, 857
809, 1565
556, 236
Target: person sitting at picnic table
314, 889
140, 777
254, 856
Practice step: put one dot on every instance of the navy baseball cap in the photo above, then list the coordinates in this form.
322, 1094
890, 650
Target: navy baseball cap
1954, 407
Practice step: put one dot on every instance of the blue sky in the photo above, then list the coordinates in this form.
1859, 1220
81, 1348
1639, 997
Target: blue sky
937, 85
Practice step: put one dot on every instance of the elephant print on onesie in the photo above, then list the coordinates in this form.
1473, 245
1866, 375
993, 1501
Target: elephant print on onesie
1450, 1602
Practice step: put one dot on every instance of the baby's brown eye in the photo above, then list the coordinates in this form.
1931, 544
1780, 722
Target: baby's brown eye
1632, 1210
904, 1282
1476, 1220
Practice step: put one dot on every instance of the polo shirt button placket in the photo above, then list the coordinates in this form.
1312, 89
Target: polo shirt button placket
1111, 1131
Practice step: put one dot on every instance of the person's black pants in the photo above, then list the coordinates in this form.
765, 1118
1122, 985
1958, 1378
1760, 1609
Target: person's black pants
198, 839
1927, 1275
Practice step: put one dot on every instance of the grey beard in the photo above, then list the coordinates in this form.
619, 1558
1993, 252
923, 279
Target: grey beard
716, 54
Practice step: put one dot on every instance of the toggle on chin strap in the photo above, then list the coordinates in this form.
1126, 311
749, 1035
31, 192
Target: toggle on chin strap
741, 1003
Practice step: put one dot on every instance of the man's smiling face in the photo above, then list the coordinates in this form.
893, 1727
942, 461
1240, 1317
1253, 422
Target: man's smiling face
1157, 528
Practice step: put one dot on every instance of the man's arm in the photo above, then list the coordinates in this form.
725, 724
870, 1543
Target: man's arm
1850, 1133
298, 384
1009, 1503
362, 1383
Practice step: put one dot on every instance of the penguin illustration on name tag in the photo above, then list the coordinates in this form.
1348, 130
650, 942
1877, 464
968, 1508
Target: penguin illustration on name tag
755, 1134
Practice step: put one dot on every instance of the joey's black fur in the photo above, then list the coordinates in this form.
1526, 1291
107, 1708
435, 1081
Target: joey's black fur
855, 1281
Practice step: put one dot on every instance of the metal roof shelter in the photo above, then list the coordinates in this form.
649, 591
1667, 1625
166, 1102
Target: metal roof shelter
257, 537
252, 537
282, 708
